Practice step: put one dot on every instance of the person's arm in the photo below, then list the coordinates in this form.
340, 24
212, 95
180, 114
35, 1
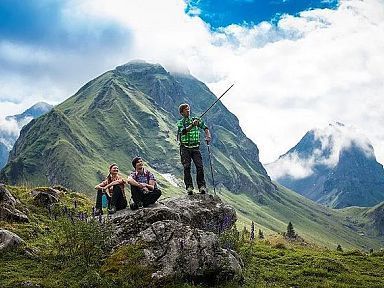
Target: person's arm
203, 126
116, 182
133, 182
195, 122
151, 182
207, 135
101, 185
150, 185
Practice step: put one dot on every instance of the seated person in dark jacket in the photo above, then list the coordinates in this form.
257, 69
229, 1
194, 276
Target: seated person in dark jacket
143, 185
113, 187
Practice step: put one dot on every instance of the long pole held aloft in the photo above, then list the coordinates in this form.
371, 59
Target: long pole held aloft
209, 150
217, 100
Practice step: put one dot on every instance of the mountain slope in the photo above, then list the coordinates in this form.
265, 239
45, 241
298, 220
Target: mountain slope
315, 223
369, 220
335, 166
125, 112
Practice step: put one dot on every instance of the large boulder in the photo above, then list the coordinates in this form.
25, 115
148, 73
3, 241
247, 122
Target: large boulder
8, 210
9, 240
46, 197
180, 238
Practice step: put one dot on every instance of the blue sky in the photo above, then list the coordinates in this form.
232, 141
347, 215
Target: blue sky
219, 13
43, 24
297, 65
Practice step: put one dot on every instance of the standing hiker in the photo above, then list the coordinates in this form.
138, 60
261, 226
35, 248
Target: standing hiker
188, 131
113, 186
144, 189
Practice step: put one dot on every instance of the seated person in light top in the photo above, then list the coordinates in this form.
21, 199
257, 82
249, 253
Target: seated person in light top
113, 186
143, 185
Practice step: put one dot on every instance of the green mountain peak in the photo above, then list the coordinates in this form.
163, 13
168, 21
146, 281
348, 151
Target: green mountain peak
131, 111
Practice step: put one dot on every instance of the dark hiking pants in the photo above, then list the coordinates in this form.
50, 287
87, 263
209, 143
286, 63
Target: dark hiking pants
188, 154
117, 199
141, 197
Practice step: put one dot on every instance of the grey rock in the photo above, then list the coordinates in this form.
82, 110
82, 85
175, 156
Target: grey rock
45, 197
12, 215
206, 212
8, 210
9, 240
7, 197
28, 284
187, 253
180, 238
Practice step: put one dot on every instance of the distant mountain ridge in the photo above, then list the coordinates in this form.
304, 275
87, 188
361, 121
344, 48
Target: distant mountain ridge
8, 136
335, 166
33, 112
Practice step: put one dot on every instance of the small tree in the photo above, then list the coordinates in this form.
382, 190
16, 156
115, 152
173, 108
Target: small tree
290, 231
339, 248
244, 234
252, 236
261, 234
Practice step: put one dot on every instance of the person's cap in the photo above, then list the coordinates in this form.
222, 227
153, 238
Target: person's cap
182, 107
135, 160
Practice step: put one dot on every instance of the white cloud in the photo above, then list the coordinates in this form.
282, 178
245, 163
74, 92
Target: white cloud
9, 131
320, 66
291, 166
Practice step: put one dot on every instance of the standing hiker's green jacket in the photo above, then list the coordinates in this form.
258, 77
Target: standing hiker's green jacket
190, 139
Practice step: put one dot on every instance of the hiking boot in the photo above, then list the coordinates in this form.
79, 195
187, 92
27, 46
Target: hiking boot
98, 211
190, 190
202, 190
112, 210
134, 206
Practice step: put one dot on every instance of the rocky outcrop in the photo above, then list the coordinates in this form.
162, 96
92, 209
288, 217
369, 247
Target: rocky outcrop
8, 210
9, 240
180, 238
45, 197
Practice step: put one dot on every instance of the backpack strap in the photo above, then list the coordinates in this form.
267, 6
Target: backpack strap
146, 174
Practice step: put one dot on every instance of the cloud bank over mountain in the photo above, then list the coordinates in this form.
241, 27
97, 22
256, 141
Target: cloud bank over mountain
301, 161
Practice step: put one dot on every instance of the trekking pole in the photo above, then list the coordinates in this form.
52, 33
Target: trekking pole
216, 100
210, 163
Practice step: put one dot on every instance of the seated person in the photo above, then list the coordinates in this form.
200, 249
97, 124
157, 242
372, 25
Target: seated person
143, 185
113, 186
